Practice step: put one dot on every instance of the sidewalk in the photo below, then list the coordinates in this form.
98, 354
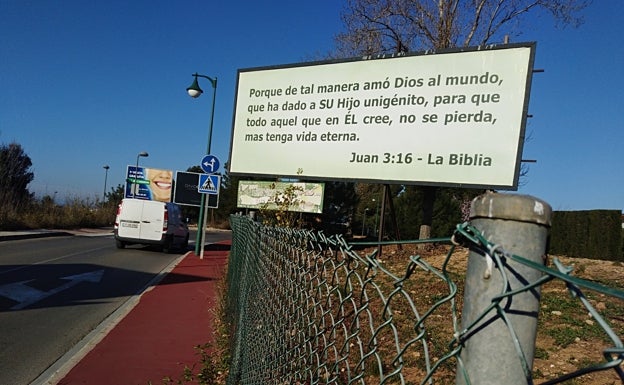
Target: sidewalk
157, 337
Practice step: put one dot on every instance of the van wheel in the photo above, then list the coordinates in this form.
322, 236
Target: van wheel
120, 244
166, 248
185, 243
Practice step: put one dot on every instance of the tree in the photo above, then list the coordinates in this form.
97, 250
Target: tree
115, 196
367, 211
229, 193
339, 200
374, 27
15, 175
277, 211
395, 26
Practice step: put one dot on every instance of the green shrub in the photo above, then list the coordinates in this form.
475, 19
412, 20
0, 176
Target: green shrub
595, 234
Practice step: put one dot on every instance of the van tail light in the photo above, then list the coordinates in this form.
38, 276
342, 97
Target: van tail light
166, 221
117, 216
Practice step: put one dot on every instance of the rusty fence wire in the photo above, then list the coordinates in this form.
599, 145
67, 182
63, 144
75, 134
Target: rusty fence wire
306, 308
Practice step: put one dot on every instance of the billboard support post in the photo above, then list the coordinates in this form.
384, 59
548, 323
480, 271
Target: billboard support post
194, 91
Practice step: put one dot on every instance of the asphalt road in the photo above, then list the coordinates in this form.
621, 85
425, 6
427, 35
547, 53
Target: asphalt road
55, 291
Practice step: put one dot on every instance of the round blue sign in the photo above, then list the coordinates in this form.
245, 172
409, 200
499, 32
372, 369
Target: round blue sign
210, 164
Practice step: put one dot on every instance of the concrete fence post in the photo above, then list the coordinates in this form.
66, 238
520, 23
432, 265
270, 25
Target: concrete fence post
520, 224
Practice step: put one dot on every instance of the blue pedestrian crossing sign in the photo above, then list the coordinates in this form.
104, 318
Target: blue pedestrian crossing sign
209, 184
210, 164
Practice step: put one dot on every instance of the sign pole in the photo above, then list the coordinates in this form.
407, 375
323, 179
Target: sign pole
199, 239
210, 164
194, 91
203, 228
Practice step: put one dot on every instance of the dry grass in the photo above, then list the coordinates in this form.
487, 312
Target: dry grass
75, 213
568, 337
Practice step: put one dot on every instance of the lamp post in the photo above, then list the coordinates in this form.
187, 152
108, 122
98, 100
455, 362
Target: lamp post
136, 172
364, 220
106, 167
195, 91
376, 214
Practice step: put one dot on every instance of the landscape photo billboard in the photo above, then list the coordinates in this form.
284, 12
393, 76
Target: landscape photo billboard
306, 197
454, 118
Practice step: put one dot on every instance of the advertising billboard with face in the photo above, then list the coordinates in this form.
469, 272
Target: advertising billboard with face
149, 183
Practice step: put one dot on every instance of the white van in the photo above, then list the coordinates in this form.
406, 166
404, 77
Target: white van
148, 222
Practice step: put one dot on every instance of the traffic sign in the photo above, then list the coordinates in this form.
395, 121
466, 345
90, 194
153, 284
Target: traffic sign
209, 183
210, 164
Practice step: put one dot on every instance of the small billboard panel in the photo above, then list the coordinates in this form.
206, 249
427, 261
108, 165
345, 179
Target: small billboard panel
148, 183
186, 191
454, 118
262, 195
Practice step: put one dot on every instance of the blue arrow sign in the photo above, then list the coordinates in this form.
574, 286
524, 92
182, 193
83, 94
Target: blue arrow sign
210, 164
209, 184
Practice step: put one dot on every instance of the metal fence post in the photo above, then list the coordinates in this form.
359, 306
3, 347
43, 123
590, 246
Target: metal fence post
520, 224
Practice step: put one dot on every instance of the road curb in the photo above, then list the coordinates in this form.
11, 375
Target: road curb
44, 233
33, 235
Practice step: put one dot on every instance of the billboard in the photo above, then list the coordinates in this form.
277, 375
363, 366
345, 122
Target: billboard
261, 195
187, 192
148, 183
452, 118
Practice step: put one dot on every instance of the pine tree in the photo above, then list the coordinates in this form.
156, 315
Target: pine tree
15, 175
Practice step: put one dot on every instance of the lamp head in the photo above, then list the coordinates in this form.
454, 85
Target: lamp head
194, 91
143, 153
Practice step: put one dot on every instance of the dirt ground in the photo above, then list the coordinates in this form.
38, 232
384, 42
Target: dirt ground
569, 337
590, 340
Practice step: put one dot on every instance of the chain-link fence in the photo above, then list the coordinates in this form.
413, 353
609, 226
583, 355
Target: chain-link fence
312, 309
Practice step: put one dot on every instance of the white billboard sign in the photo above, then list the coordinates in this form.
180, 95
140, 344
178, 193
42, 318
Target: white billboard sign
451, 118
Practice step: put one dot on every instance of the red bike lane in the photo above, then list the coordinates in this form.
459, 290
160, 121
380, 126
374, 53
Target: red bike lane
157, 338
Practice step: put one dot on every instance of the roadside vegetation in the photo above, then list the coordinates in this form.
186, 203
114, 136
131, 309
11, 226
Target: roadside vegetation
19, 209
45, 213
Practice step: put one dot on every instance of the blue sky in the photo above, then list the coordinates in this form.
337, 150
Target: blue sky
88, 84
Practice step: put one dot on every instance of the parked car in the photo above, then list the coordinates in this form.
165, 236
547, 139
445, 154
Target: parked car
149, 222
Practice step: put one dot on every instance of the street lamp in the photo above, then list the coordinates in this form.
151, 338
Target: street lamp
106, 167
195, 91
376, 215
136, 172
